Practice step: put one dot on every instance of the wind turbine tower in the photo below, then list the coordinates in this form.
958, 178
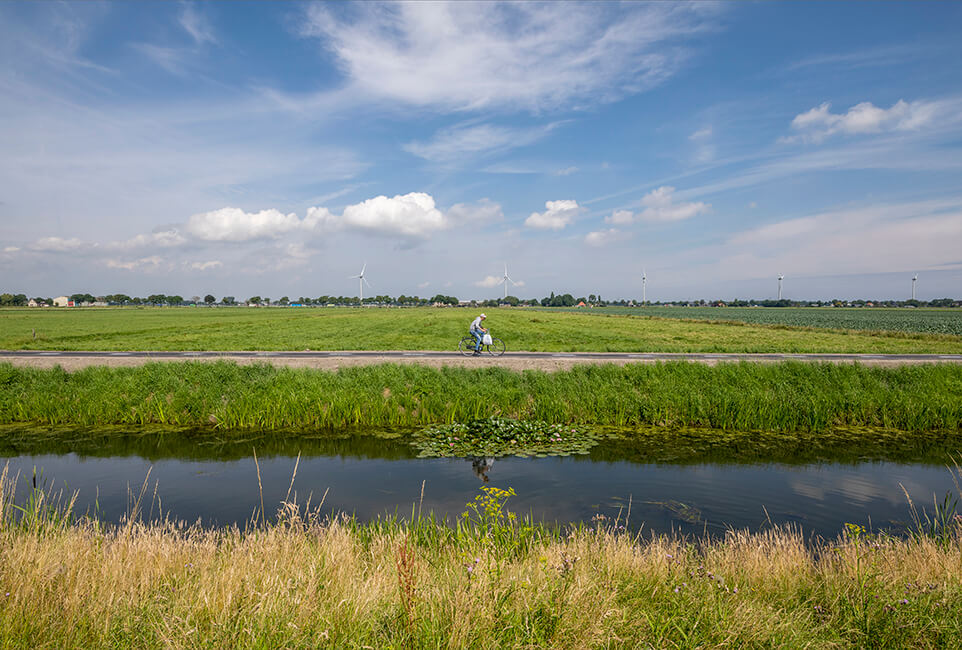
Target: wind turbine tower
780, 278
361, 281
505, 280
644, 287
915, 279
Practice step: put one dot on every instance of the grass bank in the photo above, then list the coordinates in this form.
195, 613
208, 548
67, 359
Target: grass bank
184, 328
779, 397
490, 581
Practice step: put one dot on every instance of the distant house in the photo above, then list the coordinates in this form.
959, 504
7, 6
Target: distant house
62, 301
581, 303
32, 303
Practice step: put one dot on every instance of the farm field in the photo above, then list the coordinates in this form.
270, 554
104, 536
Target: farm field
434, 329
920, 321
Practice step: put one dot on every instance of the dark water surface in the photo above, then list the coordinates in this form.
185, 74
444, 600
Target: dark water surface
195, 478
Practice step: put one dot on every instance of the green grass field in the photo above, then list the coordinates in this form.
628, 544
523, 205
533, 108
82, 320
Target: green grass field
429, 329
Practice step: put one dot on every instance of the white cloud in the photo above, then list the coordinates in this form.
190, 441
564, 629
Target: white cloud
620, 218
58, 244
204, 266
235, 225
558, 215
480, 213
450, 145
424, 285
660, 206
197, 26
411, 215
11, 249
603, 237
488, 282
150, 263
701, 134
526, 55
567, 171
161, 239
819, 123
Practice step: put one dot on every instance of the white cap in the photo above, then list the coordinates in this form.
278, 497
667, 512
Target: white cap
483, 316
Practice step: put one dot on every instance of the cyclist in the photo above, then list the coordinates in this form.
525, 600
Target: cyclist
478, 332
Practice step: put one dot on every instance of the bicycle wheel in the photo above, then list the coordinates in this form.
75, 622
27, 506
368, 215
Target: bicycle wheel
466, 346
496, 348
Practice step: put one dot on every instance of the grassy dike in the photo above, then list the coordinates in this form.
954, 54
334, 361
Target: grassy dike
781, 397
491, 581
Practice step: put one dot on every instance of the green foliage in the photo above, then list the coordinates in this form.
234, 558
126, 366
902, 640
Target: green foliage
428, 328
503, 437
920, 321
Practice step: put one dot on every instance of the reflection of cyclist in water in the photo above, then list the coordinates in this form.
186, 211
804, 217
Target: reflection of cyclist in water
481, 466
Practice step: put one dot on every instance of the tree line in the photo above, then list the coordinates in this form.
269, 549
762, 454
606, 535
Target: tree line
552, 300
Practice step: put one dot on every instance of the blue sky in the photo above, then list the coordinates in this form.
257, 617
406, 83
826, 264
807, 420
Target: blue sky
273, 148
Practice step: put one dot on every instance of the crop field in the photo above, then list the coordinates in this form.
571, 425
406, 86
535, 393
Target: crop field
607, 330
920, 321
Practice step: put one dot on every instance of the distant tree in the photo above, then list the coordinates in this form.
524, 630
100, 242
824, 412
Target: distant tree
511, 300
591, 297
941, 302
175, 300
195, 299
254, 300
228, 300
157, 299
209, 299
284, 301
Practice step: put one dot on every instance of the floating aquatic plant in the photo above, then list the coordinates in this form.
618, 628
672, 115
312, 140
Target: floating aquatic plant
503, 437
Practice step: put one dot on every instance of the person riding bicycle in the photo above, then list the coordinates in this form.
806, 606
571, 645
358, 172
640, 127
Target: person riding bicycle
478, 332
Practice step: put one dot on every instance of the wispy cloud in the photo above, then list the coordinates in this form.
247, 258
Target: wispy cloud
197, 25
455, 143
521, 55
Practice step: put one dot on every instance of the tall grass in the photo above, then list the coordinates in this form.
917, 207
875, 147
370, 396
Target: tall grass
491, 581
779, 397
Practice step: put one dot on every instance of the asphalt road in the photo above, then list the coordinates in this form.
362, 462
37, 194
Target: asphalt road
621, 357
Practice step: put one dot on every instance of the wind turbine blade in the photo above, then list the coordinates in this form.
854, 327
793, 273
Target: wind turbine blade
367, 283
363, 269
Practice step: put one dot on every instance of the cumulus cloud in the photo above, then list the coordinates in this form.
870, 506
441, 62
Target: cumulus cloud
58, 244
660, 206
521, 55
235, 225
558, 215
600, 238
819, 123
410, 215
484, 211
620, 218
488, 282
11, 249
454, 143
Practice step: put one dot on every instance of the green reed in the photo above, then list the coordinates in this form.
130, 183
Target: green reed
225, 396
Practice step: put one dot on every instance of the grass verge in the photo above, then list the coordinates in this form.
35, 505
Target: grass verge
779, 397
490, 580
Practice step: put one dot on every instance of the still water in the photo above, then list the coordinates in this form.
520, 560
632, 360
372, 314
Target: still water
368, 477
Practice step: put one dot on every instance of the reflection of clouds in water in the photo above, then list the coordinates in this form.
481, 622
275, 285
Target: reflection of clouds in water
860, 489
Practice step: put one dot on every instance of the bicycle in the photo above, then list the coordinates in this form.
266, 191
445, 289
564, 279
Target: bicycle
467, 345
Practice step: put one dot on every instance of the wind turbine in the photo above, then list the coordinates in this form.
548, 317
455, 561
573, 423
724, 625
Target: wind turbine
505, 280
914, 280
361, 281
780, 278
644, 287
